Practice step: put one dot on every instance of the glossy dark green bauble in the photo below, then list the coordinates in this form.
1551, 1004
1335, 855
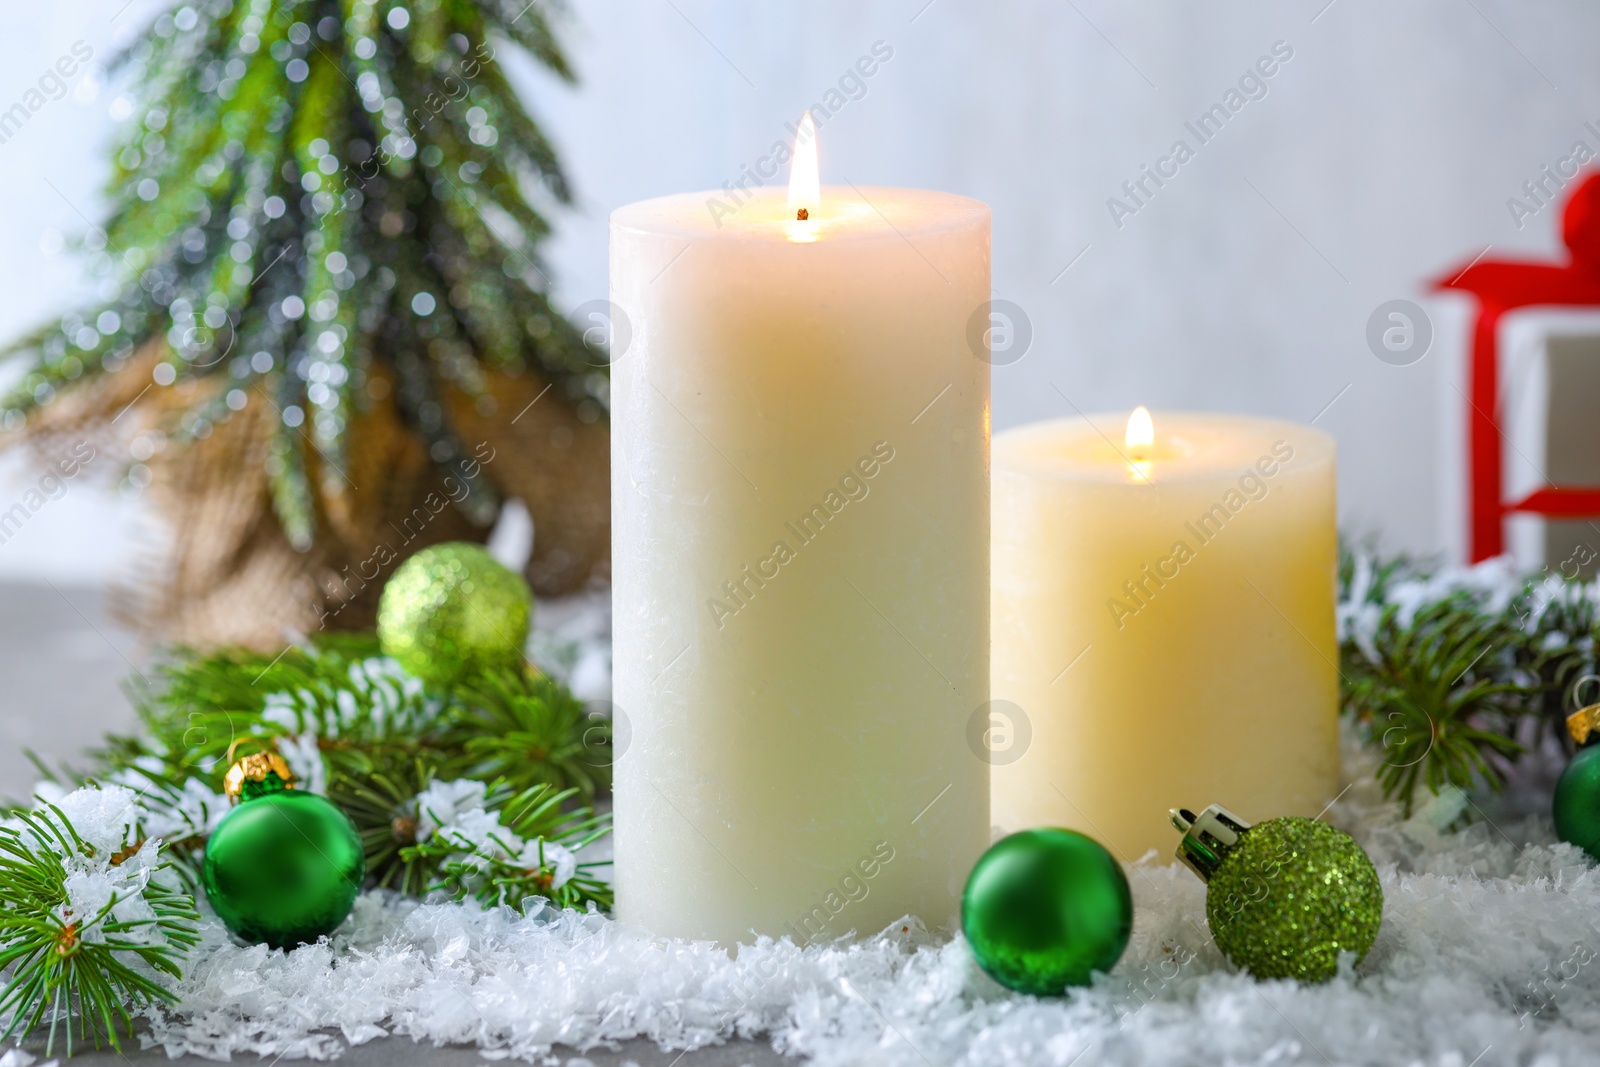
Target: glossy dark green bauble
1577, 801
283, 868
1045, 909
1292, 895
453, 610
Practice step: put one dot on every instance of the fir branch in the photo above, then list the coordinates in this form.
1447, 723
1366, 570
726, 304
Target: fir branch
528, 730
382, 804
1558, 617
1437, 699
96, 966
382, 746
520, 857
376, 740
1443, 664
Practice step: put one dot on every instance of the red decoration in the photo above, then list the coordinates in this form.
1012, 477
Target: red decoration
1502, 286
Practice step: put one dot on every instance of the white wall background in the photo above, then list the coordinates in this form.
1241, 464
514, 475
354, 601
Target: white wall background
1384, 153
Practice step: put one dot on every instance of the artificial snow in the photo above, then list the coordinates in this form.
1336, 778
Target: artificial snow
106, 870
19, 1058
444, 803
105, 817
1487, 955
1489, 952
454, 812
572, 642
192, 809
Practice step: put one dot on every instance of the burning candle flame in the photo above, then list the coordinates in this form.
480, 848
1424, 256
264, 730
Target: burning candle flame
805, 188
1138, 438
1141, 431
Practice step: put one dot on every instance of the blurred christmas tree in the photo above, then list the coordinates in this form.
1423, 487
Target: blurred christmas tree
329, 318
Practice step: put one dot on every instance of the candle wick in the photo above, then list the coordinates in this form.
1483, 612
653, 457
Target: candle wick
802, 215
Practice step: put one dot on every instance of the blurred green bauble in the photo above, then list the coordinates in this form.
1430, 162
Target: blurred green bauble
1577, 801
283, 868
452, 611
1292, 895
1044, 909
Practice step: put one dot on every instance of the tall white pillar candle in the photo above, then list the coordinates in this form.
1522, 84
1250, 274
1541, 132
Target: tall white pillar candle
800, 560
1163, 623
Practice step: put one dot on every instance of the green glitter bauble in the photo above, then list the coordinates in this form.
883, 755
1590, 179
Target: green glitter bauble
1292, 895
1577, 801
283, 868
453, 610
1044, 909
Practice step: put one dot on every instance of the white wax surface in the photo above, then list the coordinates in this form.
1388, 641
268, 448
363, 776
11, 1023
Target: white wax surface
798, 759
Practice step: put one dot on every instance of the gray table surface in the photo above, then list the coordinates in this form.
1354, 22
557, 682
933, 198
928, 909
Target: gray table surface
62, 660
405, 1054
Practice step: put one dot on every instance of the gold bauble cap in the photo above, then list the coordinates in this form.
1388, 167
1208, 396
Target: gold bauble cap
1583, 722
255, 767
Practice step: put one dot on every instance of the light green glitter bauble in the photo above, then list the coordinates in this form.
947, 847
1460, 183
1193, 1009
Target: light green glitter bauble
1290, 896
453, 610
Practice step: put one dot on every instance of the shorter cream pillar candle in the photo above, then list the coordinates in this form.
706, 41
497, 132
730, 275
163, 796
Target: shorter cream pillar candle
1163, 614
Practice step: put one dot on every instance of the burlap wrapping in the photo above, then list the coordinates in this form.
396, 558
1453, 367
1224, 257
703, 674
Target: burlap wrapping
226, 572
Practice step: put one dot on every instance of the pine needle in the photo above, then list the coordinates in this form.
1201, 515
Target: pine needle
97, 967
